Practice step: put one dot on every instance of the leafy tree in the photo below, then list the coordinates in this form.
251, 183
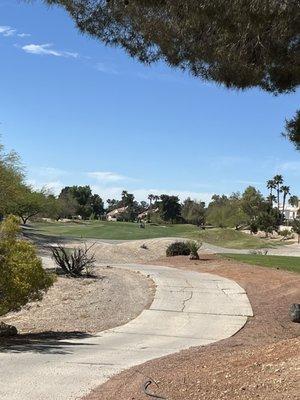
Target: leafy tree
29, 204
296, 228
226, 215
237, 43
62, 207
252, 202
87, 204
11, 179
144, 206
169, 208
218, 200
292, 130
22, 275
193, 212
127, 199
269, 219
97, 205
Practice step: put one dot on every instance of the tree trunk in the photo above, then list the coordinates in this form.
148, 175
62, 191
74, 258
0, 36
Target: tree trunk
283, 203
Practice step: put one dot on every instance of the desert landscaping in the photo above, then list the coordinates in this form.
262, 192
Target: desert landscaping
149, 200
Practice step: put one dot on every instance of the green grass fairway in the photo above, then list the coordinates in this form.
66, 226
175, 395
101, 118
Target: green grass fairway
280, 262
131, 231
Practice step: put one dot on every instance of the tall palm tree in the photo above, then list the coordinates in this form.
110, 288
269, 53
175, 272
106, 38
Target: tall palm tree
294, 201
271, 185
156, 198
151, 198
285, 190
278, 180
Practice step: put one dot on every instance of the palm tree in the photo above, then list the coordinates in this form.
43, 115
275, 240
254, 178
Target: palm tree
278, 180
156, 198
294, 201
271, 185
285, 190
272, 199
150, 198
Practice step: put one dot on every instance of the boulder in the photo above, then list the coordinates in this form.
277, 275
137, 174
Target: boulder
295, 312
7, 330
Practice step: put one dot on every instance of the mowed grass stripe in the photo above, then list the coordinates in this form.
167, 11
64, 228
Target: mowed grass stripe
229, 238
279, 262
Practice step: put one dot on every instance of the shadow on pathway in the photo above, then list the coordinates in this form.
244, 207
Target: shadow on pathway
43, 342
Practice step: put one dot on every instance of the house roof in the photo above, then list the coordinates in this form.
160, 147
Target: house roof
117, 211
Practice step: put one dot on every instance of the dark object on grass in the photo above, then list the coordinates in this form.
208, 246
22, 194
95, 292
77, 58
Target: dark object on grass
74, 262
295, 312
145, 390
178, 249
7, 330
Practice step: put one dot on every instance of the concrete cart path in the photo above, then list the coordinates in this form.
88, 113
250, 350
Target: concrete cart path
189, 309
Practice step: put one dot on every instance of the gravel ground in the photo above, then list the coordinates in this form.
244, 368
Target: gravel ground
260, 362
87, 304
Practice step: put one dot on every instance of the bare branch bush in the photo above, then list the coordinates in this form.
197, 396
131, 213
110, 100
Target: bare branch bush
75, 263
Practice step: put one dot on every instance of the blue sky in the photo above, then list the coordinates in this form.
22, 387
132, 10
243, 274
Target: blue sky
81, 113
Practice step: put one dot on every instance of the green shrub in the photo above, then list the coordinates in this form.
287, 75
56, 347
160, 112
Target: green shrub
178, 249
22, 277
194, 246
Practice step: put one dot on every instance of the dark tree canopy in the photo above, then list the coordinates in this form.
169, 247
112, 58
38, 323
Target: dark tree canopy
292, 130
237, 43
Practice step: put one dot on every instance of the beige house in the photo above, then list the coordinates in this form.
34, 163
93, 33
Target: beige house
144, 214
114, 215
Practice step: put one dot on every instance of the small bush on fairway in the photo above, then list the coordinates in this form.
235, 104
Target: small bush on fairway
22, 277
178, 249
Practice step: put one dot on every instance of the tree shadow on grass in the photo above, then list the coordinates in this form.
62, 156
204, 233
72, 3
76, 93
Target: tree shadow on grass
41, 239
44, 342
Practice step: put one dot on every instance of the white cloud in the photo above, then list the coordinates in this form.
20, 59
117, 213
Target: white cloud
49, 172
23, 35
46, 49
104, 176
7, 31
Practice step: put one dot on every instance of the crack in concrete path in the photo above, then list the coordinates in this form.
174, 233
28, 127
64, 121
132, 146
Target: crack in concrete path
186, 300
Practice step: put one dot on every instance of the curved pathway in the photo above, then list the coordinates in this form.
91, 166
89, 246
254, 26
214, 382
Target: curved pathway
189, 309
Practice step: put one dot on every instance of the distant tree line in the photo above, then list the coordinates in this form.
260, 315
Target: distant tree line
238, 210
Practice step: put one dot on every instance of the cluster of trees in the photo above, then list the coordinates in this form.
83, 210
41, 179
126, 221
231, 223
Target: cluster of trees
251, 209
